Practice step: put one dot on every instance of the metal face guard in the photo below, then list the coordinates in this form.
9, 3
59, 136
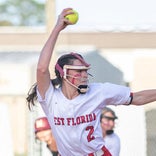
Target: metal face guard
65, 67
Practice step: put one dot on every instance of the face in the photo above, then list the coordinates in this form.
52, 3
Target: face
107, 122
80, 77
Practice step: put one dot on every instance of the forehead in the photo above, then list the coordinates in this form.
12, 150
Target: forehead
109, 114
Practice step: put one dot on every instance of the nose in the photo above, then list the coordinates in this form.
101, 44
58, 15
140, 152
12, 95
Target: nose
84, 74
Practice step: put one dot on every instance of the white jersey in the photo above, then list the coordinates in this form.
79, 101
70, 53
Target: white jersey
112, 143
76, 123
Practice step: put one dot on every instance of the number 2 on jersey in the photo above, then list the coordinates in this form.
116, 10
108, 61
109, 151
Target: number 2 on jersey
90, 137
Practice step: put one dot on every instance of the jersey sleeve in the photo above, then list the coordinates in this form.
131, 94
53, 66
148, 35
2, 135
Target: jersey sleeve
48, 95
116, 94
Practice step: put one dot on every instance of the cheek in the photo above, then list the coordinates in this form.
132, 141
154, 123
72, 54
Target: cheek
74, 80
104, 124
111, 124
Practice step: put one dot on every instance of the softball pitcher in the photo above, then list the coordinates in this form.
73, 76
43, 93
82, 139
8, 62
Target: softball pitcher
73, 109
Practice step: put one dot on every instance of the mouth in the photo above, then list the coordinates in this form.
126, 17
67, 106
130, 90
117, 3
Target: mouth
84, 82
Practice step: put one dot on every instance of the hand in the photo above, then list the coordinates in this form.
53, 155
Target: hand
47, 137
44, 135
62, 22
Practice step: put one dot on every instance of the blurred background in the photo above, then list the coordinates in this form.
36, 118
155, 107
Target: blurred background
118, 38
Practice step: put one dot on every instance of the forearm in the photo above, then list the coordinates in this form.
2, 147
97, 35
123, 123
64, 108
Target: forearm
144, 97
47, 51
43, 74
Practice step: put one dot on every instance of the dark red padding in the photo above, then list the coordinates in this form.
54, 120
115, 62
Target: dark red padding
41, 124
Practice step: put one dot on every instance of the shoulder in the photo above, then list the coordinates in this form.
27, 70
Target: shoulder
48, 94
115, 137
99, 85
108, 87
96, 87
105, 85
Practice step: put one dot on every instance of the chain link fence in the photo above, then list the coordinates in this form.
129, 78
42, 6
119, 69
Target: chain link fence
151, 132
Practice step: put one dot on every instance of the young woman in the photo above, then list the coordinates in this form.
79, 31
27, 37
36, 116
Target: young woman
112, 141
73, 110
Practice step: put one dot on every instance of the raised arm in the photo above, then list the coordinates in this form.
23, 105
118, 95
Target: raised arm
144, 97
43, 74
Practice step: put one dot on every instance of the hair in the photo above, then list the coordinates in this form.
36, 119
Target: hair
66, 59
105, 110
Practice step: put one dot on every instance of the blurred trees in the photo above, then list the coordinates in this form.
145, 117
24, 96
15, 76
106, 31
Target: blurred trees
22, 12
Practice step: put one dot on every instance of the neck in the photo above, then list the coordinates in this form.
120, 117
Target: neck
69, 92
104, 134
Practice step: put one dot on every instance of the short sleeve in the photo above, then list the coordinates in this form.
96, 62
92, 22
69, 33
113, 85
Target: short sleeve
48, 95
117, 94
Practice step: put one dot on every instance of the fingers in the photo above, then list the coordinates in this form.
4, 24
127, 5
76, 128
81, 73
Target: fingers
62, 22
64, 13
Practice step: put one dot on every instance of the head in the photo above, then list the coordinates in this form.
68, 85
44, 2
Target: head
72, 69
107, 120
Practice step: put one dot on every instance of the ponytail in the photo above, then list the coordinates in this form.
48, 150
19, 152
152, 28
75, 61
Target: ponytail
31, 96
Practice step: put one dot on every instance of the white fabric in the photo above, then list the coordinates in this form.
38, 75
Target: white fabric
112, 143
70, 118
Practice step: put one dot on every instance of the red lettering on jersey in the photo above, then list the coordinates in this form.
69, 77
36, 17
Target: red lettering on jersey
58, 121
83, 119
75, 121
55, 120
87, 118
90, 117
78, 120
68, 121
90, 136
62, 121
94, 116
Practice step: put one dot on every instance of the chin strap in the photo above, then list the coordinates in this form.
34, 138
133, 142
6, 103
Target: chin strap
82, 89
108, 132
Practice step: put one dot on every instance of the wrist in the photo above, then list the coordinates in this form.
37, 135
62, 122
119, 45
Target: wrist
57, 29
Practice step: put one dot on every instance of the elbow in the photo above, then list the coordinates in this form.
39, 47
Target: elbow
42, 69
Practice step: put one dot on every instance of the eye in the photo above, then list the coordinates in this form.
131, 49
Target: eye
78, 71
81, 70
84, 70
